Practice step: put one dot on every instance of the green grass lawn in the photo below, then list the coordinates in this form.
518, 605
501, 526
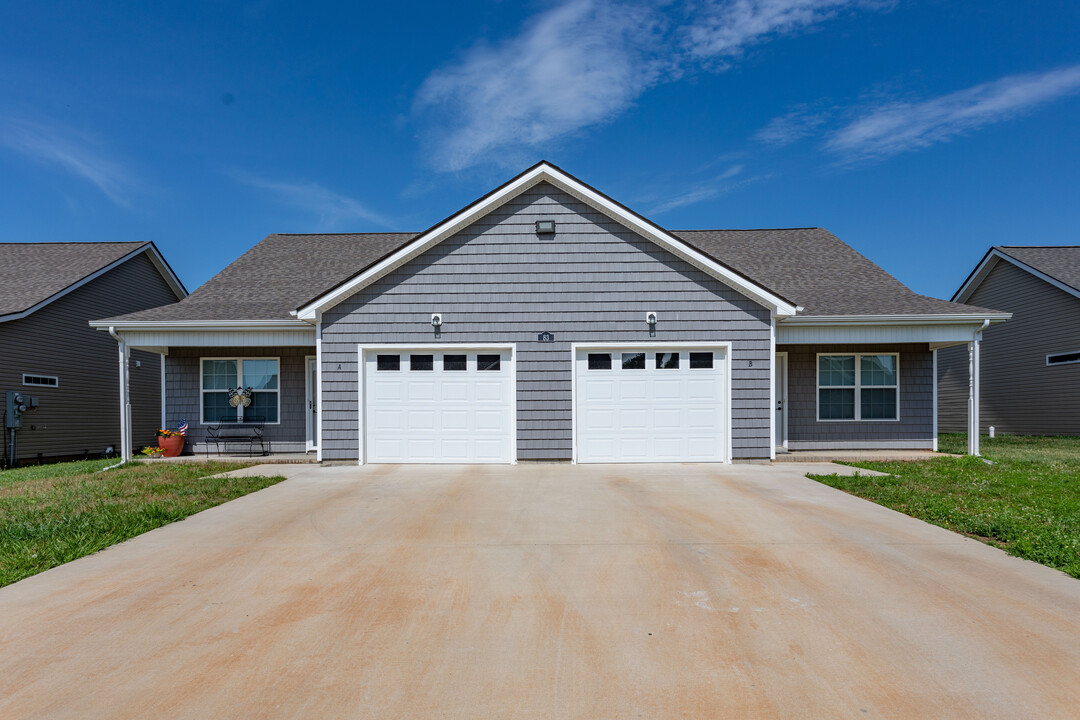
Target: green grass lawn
52, 514
1027, 502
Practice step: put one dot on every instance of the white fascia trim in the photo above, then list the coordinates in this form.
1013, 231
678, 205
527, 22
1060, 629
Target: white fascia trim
541, 173
155, 257
988, 264
825, 320
201, 325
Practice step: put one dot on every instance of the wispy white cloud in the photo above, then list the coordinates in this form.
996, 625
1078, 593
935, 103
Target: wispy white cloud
73, 152
792, 127
576, 65
721, 184
332, 209
725, 28
584, 62
895, 127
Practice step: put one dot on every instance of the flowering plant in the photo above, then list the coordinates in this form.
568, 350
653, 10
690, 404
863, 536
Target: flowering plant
153, 451
165, 432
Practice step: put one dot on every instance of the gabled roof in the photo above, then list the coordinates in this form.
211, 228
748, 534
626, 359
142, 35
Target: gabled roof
544, 172
286, 275
33, 275
1059, 265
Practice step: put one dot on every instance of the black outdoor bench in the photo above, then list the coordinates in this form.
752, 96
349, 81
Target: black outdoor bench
230, 431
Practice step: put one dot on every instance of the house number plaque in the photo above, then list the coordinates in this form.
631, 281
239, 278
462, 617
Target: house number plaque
545, 337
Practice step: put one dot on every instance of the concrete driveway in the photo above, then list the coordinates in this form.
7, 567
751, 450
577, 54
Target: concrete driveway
544, 591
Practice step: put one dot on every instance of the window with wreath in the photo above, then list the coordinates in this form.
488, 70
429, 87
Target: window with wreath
858, 387
228, 382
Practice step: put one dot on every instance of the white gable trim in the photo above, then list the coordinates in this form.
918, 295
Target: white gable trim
155, 257
544, 172
989, 262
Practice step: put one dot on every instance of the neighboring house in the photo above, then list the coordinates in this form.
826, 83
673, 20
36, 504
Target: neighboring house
1030, 383
546, 321
48, 294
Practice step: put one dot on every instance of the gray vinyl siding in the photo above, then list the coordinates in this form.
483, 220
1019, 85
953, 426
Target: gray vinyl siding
915, 428
497, 281
1020, 394
82, 415
183, 383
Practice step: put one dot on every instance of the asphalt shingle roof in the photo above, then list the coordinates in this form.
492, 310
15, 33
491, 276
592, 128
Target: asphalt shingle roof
32, 272
809, 266
1061, 262
277, 275
819, 271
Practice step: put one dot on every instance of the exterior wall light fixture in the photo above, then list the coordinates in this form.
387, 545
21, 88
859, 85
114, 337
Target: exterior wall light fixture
436, 320
650, 318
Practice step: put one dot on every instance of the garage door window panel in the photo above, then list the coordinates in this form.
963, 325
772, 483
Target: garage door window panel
388, 363
633, 361
421, 363
454, 363
701, 361
488, 363
599, 361
667, 361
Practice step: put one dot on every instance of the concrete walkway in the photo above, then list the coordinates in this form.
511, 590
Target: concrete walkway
544, 591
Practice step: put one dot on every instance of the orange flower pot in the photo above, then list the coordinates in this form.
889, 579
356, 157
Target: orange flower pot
173, 445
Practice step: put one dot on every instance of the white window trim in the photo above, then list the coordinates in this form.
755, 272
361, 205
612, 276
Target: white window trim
240, 380
56, 384
857, 387
1066, 362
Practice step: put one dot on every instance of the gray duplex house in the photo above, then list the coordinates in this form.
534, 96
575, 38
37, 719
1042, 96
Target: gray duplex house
48, 293
546, 321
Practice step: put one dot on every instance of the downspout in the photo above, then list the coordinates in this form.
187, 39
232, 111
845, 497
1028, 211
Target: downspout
125, 453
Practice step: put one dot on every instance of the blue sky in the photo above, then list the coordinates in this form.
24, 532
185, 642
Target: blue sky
921, 132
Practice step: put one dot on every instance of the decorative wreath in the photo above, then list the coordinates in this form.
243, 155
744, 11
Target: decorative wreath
240, 396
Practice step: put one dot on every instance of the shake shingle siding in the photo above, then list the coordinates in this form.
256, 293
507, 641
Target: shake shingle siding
183, 381
499, 282
82, 414
914, 429
1020, 393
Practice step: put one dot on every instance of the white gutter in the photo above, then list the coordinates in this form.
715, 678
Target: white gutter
810, 320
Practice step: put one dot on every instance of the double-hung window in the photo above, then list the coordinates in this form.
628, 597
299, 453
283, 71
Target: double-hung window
859, 387
222, 375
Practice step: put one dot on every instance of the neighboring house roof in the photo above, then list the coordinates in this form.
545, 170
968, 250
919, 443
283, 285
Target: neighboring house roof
1058, 265
34, 274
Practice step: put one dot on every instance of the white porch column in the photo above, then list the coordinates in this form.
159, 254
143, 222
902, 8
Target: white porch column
318, 391
973, 393
934, 355
124, 355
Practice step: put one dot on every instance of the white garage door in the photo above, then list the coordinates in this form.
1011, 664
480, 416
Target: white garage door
650, 405
438, 406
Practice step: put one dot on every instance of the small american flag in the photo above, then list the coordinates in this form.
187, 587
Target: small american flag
182, 427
